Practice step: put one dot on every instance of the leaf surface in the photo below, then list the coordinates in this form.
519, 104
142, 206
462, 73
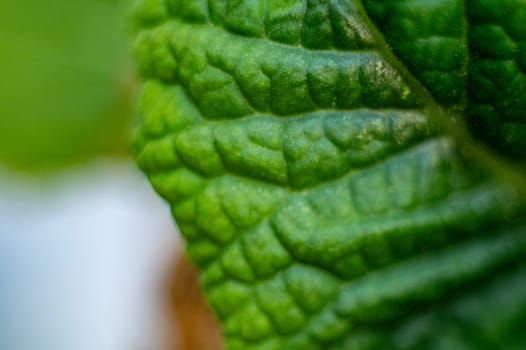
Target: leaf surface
321, 198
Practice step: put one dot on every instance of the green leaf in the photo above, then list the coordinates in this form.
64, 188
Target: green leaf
471, 55
65, 88
311, 161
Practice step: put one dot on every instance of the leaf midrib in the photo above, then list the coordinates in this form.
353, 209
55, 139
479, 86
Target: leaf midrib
451, 122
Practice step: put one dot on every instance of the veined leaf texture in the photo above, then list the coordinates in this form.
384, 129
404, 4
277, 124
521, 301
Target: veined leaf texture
304, 150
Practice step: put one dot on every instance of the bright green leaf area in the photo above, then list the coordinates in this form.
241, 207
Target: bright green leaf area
321, 195
63, 92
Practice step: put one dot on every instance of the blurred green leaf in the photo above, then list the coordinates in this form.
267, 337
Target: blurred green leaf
65, 81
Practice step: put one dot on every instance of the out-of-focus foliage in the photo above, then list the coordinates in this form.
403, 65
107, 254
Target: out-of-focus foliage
65, 81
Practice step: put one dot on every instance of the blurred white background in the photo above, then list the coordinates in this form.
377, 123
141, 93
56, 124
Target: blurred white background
82, 254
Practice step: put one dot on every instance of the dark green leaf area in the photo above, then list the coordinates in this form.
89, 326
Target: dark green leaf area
470, 55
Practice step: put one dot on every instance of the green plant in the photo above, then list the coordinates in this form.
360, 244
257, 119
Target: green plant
319, 157
63, 101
